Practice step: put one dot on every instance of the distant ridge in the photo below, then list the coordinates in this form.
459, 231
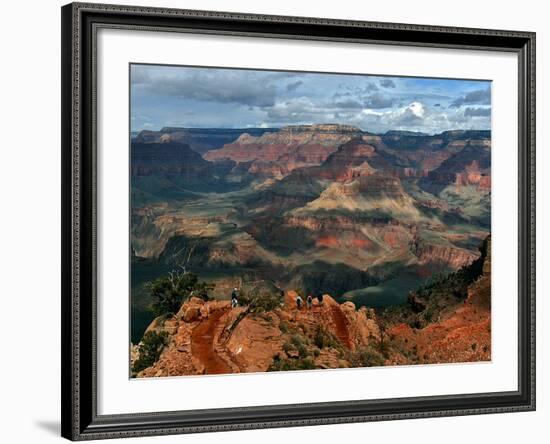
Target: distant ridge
200, 140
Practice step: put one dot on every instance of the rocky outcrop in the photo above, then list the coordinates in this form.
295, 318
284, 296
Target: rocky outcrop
459, 331
212, 338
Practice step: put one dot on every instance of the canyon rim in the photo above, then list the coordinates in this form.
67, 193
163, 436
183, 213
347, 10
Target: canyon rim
306, 221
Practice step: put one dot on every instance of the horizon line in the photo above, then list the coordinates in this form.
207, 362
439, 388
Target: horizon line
278, 128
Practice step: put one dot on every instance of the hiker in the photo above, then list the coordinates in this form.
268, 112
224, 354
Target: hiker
234, 298
309, 301
320, 298
299, 302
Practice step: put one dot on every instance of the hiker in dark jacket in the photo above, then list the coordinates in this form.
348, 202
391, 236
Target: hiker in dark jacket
234, 298
320, 298
299, 301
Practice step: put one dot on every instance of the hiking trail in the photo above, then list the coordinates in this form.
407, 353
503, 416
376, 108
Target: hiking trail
341, 325
202, 345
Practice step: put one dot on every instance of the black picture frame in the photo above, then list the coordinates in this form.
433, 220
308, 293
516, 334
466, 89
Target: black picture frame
80, 22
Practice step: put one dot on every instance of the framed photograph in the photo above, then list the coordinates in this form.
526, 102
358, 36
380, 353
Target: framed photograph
281, 221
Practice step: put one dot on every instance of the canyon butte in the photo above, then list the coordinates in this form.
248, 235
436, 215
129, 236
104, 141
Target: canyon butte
394, 230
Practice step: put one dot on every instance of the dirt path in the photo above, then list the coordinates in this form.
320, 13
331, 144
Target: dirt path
341, 325
202, 345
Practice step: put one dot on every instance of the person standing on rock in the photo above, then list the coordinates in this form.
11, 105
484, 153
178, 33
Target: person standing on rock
234, 298
309, 301
320, 298
299, 301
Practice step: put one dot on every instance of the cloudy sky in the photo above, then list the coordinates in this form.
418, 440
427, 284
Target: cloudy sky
234, 98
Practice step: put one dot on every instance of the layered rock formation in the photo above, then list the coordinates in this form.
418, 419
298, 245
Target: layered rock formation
470, 166
278, 153
419, 154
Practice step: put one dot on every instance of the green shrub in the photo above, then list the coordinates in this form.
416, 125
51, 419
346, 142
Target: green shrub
279, 364
299, 344
298, 340
169, 292
366, 357
259, 301
288, 347
323, 338
149, 350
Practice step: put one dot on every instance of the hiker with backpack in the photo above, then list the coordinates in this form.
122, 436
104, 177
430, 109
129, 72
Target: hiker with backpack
299, 302
234, 298
309, 301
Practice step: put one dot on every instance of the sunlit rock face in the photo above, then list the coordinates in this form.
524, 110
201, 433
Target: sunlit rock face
292, 147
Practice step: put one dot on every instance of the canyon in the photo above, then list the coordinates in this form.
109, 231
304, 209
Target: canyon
323, 209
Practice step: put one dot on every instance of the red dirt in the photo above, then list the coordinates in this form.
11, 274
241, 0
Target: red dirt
361, 243
327, 241
202, 345
341, 325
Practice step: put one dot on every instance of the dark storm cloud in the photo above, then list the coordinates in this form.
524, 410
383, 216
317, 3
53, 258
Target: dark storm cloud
477, 97
244, 88
350, 104
292, 86
378, 101
387, 83
370, 87
477, 112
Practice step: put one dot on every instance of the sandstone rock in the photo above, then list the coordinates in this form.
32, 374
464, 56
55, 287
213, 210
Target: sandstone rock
348, 306
196, 301
191, 314
254, 343
171, 326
